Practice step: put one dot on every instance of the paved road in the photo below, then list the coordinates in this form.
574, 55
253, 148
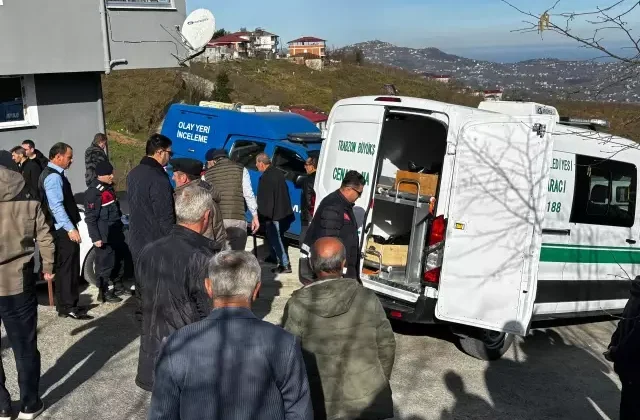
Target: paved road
556, 373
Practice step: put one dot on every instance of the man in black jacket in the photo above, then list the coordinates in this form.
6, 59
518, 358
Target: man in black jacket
274, 209
624, 352
94, 154
30, 169
150, 194
34, 154
171, 273
334, 217
308, 202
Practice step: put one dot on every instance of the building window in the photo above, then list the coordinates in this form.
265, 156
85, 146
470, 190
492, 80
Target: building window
245, 151
142, 4
289, 162
605, 192
17, 102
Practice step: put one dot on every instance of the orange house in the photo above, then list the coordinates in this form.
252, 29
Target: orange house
308, 46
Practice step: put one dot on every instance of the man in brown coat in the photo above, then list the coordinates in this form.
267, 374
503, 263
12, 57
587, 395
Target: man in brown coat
347, 341
22, 222
187, 171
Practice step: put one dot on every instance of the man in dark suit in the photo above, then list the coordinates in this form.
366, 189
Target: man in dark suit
231, 365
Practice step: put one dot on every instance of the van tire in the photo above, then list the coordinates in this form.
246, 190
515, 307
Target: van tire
486, 344
89, 267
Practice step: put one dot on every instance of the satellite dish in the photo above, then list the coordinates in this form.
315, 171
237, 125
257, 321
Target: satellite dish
198, 28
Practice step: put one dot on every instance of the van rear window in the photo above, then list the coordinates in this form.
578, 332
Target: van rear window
605, 192
245, 151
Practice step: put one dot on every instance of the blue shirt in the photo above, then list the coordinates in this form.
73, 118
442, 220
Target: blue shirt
55, 198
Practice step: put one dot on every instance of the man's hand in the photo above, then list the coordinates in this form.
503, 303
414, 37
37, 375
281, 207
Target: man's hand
255, 225
49, 276
97, 244
75, 236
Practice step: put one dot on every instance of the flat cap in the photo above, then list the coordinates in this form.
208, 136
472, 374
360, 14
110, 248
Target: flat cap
7, 161
213, 154
189, 166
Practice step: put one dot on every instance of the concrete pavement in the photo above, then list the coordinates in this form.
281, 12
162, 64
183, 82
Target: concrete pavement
88, 368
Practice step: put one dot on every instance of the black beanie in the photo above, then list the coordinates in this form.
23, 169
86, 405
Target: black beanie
104, 168
7, 161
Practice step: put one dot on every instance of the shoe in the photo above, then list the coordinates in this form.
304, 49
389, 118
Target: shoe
122, 292
30, 413
270, 260
282, 269
79, 316
108, 297
6, 414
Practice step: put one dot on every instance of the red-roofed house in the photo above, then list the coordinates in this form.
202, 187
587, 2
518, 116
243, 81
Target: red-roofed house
316, 117
227, 47
308, 46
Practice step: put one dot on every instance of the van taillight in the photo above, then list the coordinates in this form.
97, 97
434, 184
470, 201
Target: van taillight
438, 227
435, 251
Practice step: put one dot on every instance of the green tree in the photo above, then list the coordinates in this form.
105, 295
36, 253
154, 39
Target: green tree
359, 56
223, 91
219, 33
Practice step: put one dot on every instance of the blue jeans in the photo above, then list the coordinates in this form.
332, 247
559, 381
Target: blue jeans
19, 314
275, 231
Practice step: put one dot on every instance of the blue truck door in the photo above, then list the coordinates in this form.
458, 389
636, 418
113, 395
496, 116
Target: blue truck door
244, 151
291, 163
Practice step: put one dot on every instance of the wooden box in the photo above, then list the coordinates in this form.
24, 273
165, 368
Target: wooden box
428, 183
392, 255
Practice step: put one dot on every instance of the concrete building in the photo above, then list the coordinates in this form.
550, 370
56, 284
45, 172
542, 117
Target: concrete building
227, 47
308, 46
53, 54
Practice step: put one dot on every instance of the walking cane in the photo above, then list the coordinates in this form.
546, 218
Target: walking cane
255, 245
50, 288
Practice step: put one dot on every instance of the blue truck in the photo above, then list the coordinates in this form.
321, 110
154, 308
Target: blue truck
287, 138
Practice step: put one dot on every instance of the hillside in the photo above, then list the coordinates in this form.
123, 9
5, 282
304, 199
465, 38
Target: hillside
135, 101
552, 78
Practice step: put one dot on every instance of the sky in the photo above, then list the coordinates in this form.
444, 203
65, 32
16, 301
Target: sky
479, 29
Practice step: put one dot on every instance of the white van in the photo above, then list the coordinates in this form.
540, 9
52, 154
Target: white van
534, 218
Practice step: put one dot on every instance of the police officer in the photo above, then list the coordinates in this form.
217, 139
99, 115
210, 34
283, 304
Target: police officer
103, 219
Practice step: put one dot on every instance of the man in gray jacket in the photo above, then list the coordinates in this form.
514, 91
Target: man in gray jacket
347, 341
21, 223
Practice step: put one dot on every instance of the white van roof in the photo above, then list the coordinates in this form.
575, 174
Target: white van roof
519, 108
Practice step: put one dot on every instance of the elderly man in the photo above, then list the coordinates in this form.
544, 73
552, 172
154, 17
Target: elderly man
171, 273
187, 171
234, 184
21, 222
232, 365
274, 208
347, 340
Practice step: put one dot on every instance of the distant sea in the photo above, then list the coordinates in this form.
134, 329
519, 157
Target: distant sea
513, 54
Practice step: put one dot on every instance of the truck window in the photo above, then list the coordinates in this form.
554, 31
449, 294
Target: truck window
289, 162
605, 192
245, 151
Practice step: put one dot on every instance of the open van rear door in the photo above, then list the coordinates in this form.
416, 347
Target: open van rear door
351, 144
493, 237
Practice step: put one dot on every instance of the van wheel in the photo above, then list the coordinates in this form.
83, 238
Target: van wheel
89, 268
486, 344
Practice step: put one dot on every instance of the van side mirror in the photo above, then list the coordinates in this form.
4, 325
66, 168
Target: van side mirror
300, 180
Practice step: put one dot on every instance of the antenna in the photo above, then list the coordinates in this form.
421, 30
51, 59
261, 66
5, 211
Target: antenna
197, 30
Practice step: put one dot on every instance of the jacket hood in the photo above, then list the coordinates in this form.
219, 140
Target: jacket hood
327, 298
11, 183
635, 287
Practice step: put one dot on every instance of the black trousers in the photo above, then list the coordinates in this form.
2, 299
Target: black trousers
111, 260
630, 401
19, 314
67, 271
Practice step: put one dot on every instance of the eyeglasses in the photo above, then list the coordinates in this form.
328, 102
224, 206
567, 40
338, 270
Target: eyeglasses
169, 152
359, 192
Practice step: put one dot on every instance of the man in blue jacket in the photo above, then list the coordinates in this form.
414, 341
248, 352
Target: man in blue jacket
231, 365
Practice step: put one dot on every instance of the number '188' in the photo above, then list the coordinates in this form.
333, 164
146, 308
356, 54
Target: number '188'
554, 206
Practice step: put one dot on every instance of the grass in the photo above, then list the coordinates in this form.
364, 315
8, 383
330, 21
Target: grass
136, 100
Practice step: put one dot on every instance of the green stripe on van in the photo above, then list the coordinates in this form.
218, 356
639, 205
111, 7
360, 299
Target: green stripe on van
579, 254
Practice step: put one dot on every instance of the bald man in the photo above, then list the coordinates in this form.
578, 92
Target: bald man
338, 319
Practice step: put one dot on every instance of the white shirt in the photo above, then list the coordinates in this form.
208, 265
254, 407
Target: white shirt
247, 192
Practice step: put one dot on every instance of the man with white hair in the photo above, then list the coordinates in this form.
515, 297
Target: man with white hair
231, 365
171, 273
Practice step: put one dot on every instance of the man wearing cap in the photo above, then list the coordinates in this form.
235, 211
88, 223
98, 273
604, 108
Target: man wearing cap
237, 191
103, 218
187, 171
